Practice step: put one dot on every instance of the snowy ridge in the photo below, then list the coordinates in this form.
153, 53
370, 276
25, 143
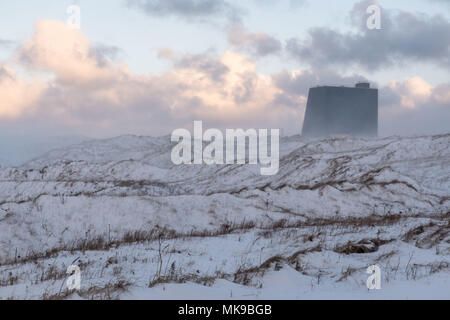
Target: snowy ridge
110, 188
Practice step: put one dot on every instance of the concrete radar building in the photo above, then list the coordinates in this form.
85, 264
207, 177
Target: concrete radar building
335, 111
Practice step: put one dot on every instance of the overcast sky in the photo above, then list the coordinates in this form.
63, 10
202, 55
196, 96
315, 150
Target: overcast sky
147, 67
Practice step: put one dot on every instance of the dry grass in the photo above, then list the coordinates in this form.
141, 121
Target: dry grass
347, 273
179, 278
50, 273
108, 291
9, 279
310, 233
103, 243
428, 235
363, 246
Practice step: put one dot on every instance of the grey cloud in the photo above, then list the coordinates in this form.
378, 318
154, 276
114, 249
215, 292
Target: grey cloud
196, 10
6, 43
404, 37
257, 44
104, 54
295, 86
205, 63
211, 66
300, 84
245, 93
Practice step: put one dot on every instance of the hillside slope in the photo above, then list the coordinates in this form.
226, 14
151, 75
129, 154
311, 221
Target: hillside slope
121, 195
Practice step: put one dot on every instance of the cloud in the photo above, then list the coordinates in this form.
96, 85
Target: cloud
73, 60
299, 81
17, 95
6, 43
257, 44
157, 105
412, 113
294, 85
412, 91
206, 63
105, 54
88, 90
404, 37
413, 106
191, 10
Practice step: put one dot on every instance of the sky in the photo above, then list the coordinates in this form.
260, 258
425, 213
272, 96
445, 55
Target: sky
148, 67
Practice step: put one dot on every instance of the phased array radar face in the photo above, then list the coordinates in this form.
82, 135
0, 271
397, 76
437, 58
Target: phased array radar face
342, 111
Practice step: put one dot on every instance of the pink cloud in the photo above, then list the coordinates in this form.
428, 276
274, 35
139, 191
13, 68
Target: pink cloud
17, 95
107, 98
99, 97
66, 52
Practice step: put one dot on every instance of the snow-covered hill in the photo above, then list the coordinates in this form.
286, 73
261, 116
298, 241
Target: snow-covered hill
335, 207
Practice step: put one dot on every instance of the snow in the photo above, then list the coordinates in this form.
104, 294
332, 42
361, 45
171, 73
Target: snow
288, 284
390, 196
